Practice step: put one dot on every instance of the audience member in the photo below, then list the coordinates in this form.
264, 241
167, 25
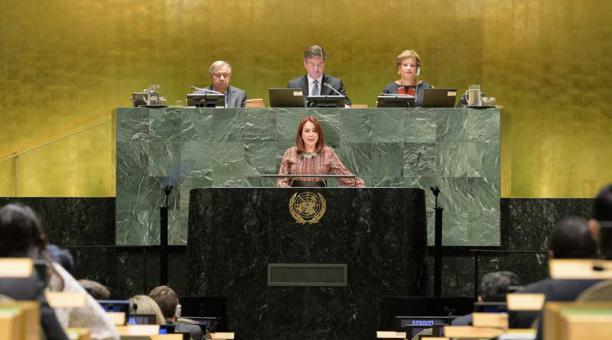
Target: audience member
493, 288
95, 289
570, 238
144, 305
61, 256
168, 302
602, 216
22, 235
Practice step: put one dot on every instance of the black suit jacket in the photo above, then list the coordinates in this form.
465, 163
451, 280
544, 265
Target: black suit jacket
554, 290
336, 83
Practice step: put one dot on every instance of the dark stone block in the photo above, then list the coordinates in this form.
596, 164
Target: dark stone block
234, 233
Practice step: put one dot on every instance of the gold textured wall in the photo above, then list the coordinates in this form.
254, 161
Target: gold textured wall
65, 64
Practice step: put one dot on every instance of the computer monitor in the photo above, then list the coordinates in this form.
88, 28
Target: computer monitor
392, 306
325, 101
115, 305
283, 97
439, 97
208, 311
395, 100
206, 99
422, 325
142, 319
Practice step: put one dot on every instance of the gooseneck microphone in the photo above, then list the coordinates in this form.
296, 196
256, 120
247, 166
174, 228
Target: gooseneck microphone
333, 89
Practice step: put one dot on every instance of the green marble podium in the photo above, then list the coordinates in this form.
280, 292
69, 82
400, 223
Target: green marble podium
455, 149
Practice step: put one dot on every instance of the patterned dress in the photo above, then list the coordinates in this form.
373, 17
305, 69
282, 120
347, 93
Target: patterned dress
323, 163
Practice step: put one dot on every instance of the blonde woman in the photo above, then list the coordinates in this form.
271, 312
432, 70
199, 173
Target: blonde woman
146, 305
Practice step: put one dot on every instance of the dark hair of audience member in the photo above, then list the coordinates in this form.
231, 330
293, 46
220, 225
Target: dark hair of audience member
167, 299
571, 239
22, 233
61, 256
494, 286
603, 204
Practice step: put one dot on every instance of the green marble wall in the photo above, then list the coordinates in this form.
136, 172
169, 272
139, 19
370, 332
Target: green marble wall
455, 149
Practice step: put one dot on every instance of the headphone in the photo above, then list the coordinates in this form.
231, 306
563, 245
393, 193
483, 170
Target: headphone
418, 70
177, 311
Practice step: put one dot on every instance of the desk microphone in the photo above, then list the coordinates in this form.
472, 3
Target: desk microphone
333, 89
206, 90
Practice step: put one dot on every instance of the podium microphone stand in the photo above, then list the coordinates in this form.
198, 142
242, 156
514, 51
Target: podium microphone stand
163, 237
438, 244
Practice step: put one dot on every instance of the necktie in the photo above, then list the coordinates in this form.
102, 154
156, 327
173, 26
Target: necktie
315, 88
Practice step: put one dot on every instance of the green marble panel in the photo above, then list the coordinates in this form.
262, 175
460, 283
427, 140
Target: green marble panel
132, 125
196, 125
230, 167
420, 160
228, 125
420, 129
388, 126
356, 127
455, 149
163, 156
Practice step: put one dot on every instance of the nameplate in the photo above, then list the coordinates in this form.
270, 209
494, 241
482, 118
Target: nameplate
525, 302
494, 320
580, 269
471, 332
222, 335
78, 333
390, 335
66, 299
167, 337
16, 267
138, 330
307, 274
118, 318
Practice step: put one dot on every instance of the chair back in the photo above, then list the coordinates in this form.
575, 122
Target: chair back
599, 292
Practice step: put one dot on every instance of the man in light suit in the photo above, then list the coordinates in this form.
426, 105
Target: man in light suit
220, 73
315, 82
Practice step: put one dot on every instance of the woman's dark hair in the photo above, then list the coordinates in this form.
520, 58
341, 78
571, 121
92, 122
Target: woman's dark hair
299, 142
21, 230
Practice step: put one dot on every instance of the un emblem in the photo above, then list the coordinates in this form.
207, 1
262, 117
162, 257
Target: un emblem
307, 207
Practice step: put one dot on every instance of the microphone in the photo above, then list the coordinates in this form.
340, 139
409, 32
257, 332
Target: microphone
206, 90
333, 89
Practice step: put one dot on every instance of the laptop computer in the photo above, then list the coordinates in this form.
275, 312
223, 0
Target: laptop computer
439, 97
282, 97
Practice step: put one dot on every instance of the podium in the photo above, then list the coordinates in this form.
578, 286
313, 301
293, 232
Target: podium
306, 263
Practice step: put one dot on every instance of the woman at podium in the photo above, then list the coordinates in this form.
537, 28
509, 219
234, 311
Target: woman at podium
408, 64
310, 156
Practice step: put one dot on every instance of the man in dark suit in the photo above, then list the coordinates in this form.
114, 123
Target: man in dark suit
220, 73
316, 82
570, 239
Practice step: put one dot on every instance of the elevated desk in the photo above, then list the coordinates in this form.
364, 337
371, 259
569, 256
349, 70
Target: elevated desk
379, 234
453, 148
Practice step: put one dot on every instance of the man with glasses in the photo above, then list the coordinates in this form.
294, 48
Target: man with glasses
220, 73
